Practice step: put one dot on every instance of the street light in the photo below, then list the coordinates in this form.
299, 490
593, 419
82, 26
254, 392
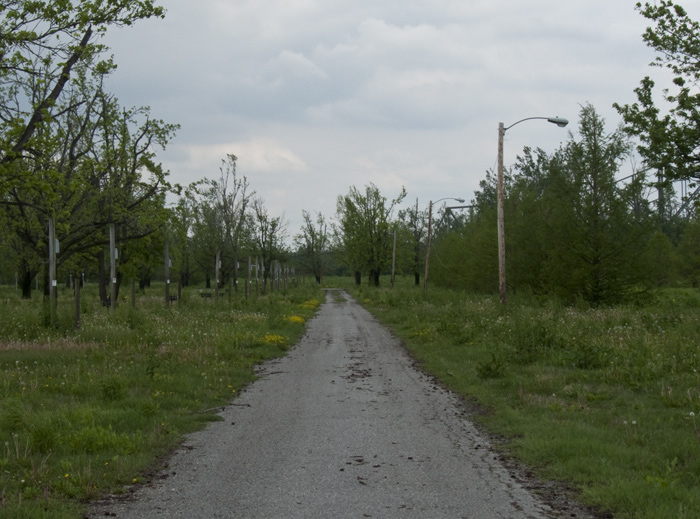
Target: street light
430, 221
499, 200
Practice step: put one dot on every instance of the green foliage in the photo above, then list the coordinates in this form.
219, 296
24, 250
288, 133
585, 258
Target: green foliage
313, 243
494, 367
572, 231
669, 140
364, 230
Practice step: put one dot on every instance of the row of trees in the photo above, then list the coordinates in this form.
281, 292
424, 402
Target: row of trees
72, 157
70, 153
573, 229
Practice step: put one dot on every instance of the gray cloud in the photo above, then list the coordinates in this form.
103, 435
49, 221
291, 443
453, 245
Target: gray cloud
314, 96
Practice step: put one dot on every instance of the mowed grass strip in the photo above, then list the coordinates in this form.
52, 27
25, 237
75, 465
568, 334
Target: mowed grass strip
87, 412
605, 399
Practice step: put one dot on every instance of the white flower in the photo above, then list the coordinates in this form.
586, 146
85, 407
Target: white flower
692, 414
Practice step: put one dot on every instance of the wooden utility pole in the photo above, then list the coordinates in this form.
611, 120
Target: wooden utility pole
500, 218
427, 245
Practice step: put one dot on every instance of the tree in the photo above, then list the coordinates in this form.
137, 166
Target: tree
221, 216
689, 253
268, 235
50, 110
41, 43
670, 141
313, 243
599, 228
95, 168
413, 229
573, 230
364, 230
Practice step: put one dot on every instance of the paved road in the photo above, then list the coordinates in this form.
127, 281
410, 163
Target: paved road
342, 427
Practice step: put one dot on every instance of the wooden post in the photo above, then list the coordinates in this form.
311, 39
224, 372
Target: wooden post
500, 219
393, 262
76, 288
427, 246
167, 272
112, 268
257, 270
52, 267
216, 276
248, 279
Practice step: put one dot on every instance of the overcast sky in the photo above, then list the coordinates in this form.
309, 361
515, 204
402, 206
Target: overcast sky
315, 96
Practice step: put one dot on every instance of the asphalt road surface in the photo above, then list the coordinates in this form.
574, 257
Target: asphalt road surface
344, 426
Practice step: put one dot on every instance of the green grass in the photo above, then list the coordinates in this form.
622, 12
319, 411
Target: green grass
87, 412
607, 400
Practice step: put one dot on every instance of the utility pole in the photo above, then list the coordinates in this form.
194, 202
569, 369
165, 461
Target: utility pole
501, 220
427, 249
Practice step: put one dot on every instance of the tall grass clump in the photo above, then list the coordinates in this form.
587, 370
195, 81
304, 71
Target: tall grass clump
87, 412
606, 400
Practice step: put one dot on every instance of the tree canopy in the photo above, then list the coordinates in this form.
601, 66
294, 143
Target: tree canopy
668, 131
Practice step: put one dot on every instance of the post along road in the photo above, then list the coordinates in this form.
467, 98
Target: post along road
344, 426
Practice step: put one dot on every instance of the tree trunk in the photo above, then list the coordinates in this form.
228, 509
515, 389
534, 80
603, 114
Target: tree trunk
358, 278
416, 276
27, 279
374, 278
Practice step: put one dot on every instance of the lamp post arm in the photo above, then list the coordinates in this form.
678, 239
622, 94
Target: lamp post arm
559, 121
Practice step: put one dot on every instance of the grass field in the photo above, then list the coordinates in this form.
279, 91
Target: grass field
606, 399
87, 412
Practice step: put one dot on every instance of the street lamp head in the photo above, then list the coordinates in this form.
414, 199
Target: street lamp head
559, 121
460, 200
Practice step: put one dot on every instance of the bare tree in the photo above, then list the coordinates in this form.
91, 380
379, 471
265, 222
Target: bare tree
268, 235
313, 243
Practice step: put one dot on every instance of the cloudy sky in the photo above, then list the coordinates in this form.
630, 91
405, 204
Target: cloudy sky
315, 96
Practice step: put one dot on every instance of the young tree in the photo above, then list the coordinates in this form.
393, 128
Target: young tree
670, 141
313, 243
599, 228
96, 167
269, 235
41, 43
222, 215
364, 230
413, 229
